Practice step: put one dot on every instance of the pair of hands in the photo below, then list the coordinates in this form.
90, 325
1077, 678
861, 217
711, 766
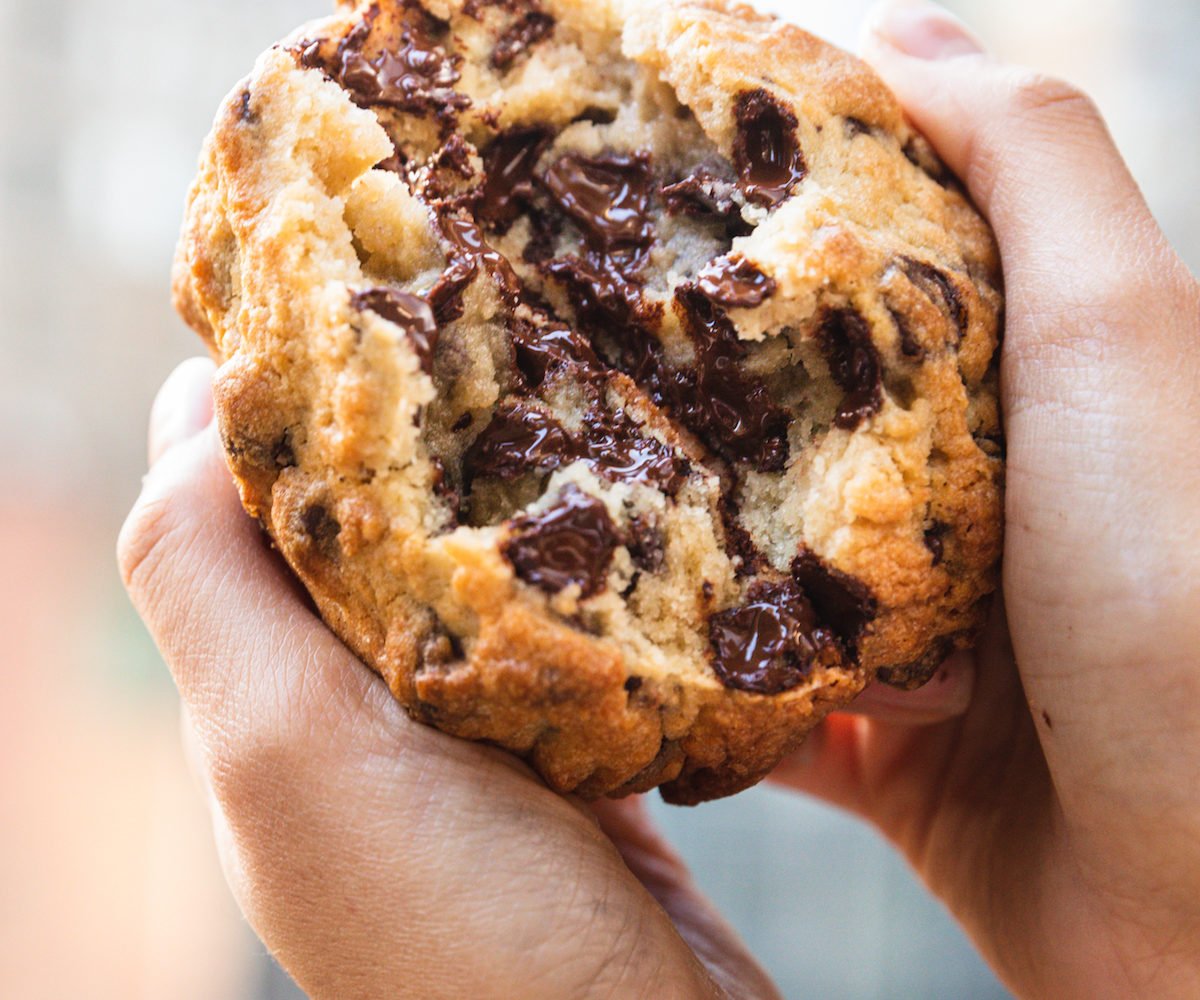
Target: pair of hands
1043, 789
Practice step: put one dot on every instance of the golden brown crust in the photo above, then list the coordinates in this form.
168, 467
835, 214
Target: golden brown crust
335, 433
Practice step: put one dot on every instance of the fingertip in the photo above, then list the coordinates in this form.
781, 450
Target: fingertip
182, 408
918, 29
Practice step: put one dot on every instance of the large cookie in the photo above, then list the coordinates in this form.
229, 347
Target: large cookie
622, 388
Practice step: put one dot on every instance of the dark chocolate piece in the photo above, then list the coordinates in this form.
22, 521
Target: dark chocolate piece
571, 543
766, 152
323, 529
769, 644
541, 346
607, 196
703, 193
856, 127
738, 543
615, 447
410, 312
509, 162
417, 77
601, 294
937, 286
935, 541
645, 542
729, 410
855, 365
469, 249
843, 602
735, 283
526, 31
520, 437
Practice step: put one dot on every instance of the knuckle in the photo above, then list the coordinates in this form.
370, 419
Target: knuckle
1035, 94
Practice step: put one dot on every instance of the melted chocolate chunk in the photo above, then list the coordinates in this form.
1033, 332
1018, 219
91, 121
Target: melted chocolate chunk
729, 410
735, 283
856, 127
703, 193
920, 154
738, 543
935, 541
410, 312
766, 152
855, 365
910, 346
571, 543
526, 31
469, 250
509, 163
645, 542
601, 294
417, 77
937, 286
843, 602
245, 112
768, 645
542, 346
616, 449
520, 437
607, 196
323, 529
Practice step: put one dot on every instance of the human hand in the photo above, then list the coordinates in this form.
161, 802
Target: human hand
1058, 817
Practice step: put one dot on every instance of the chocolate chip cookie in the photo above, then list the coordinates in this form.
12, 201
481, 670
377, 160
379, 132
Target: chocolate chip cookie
621, 385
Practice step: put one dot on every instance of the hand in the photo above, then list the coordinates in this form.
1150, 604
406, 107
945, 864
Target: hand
1059, 817
378, 857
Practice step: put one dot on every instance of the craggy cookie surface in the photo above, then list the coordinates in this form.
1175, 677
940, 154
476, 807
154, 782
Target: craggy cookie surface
621, 386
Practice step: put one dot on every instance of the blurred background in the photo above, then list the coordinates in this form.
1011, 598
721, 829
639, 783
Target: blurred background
109, 885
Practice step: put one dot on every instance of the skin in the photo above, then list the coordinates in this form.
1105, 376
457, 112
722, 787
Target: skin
1044, 790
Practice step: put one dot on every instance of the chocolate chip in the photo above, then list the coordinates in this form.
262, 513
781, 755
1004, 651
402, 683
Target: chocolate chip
509, 163
603, 297
935, 541
920, 154
854, 362
245, 113
633, 684
645, 542
728, 409
572, 543
322, 529
463, 422
766, 152
938, 288
527, 31
735, 283
417, 77
910, 346
546, 344
704, 193
856, 127
410, 312
769, 644
843, 602
615, 447
519, 439
468, 250
738, 544
607, 196
283, 454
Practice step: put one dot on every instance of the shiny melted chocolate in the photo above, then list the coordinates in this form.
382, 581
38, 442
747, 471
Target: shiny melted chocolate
520, 438
413, 314
855, 364
843, 602
572, 543
509, 164
417, 76
530, 28
704, 194
735, 283
769, 644
766, 151
608, 197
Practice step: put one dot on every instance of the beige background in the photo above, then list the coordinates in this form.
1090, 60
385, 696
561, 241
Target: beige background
108, 883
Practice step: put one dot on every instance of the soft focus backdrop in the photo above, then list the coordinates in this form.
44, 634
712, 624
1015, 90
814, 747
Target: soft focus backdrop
109, 886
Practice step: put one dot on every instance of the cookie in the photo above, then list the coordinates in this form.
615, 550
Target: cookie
622, 386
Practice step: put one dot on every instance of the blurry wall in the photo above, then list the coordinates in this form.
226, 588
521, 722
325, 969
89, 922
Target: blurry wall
108, 884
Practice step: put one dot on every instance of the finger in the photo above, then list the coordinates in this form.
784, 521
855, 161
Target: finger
946, 696
655, 864
1033, 150
376, 857
182, 408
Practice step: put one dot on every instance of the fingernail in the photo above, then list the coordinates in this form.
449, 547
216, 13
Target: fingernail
183, 407
923, 30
